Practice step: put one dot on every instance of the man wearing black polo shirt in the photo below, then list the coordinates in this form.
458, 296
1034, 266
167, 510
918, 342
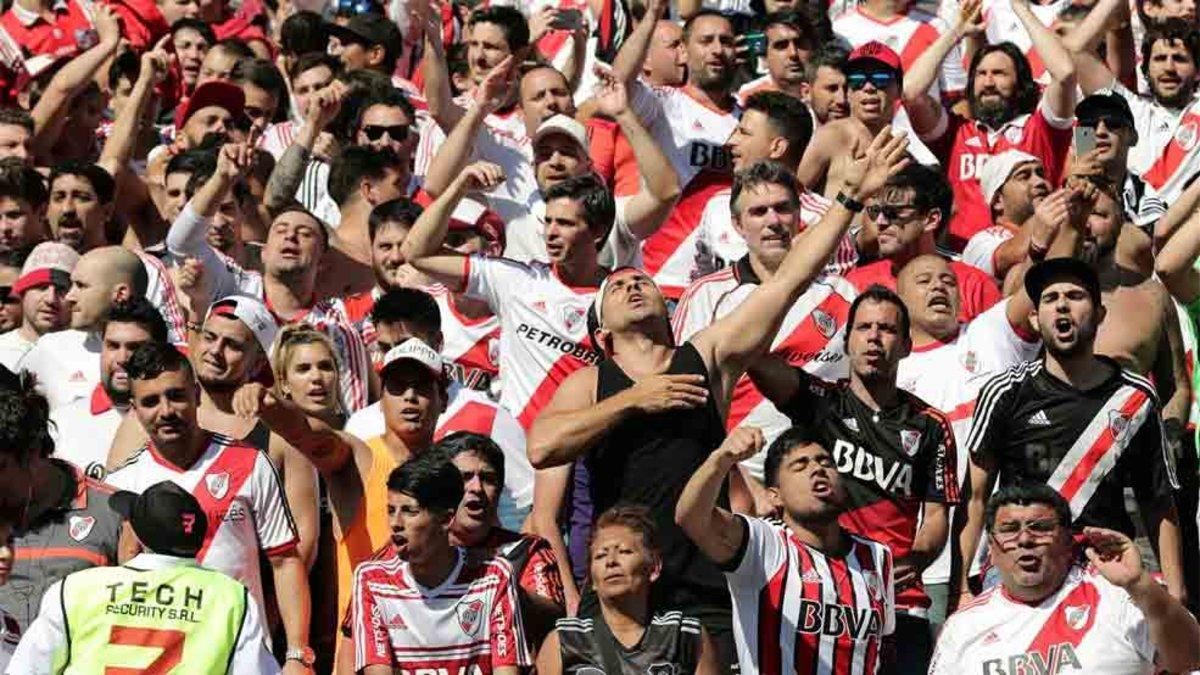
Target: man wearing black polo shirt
895, 451
1077, 421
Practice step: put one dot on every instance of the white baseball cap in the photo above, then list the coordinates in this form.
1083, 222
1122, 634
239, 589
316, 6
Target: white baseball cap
253, 313
998, 168
50, 262
561, 124
414, 349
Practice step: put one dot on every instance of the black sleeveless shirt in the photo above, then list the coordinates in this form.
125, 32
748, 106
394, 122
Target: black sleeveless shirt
646, 460
670, 646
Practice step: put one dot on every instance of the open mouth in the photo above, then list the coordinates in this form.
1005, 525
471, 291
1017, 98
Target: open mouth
939, 301
1029, 562
821, 487
475, 507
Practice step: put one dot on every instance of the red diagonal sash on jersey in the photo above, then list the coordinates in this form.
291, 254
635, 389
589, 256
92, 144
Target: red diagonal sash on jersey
1068, 624
558, 372
1185, 138
219, 486
473, 416
1098, 448
684, 218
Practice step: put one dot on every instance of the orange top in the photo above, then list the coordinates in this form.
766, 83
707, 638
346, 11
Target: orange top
370, 528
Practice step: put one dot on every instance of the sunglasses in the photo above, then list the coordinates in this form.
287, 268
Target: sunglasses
1110, 121
888, 212
880, 79
398, 132
7, 297
1039, 530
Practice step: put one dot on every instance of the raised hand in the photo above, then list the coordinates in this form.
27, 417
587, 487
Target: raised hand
661, 393
1114, 556
611, 98
656, 9
325, 105
252, 399
193, 287
970, 19
885, 156
496, 85
541, 23
482, 176
157, 62
234, 160
741, 444
1052, 211
107, 23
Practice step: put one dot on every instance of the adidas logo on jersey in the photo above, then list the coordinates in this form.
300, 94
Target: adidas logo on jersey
991, 638
1039, 419
811, 576
851, 424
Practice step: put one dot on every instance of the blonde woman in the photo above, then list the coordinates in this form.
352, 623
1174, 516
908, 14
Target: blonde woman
306, 373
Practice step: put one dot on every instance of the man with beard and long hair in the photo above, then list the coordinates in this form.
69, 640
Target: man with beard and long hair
808, 546
1164, 158
1077, 421
1007, 111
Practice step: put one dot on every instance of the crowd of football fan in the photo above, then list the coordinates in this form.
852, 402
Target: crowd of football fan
457, 337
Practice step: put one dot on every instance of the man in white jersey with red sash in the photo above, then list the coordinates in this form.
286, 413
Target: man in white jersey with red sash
811, 332
1168, 122
808, 597
949, 362
1054, 612
692, 124
236, 485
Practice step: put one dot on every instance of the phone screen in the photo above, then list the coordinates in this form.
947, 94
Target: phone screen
756, 43
1085, 140
568, 19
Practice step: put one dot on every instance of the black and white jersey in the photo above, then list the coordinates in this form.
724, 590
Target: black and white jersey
670, 645
1088, 445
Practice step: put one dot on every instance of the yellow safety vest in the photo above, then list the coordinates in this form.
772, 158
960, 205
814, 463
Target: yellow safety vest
180, 620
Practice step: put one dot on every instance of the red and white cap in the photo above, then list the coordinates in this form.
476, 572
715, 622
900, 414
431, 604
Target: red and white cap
875, 51
414, 349
49, 262
253, 313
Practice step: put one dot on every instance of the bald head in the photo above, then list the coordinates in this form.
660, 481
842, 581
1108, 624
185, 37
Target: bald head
101, 277
929, 289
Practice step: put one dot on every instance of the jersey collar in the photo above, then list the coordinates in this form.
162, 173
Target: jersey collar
743, 271
101, 403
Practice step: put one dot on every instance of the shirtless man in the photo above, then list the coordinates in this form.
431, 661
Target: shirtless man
873, 76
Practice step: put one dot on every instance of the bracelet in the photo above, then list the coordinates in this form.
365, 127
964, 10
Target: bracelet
851, 204
193, 326
1037, 252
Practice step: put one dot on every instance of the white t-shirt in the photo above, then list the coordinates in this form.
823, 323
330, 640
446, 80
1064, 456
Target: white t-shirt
468, 410
1087, 626
13, 347
948, 377
66, 364
982, 246
242, 496
83, 432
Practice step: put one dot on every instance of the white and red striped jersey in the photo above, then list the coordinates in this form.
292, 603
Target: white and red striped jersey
965, 147
470, 624
279, 136
1168, 159
468, 410
240, 492
1004, 26
1087, 626
543, 329
948, 376
718, 243
471, 347
908, 34
693, 136
810, 336
981, 249
798, 610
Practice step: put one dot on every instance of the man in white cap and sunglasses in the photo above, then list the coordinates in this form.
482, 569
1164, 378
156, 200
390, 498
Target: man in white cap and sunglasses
185, 618
41, 288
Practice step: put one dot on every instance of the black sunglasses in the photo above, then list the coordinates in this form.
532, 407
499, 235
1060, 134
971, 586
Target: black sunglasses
398, 132
1112, 122
889, 212
881, 79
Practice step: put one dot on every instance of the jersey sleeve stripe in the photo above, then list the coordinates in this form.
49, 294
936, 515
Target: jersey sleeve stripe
989, 397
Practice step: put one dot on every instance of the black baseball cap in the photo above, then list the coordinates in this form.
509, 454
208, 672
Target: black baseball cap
1046, 272
1109, 104
370, 29
166, 518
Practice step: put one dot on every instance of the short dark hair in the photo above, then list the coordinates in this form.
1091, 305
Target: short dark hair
389, 98
401, 211
878, 294
1171, 30
235, 47
311, 60
759, 174
22, 183
24, 420
1027, 494
788, 115
297, 207
779, 449
16, 117
599, 208
264, 75
635, 518
137, 310
127, 66
456, 63
203, 171
930, 188
193, 162
430, 479
460, 442
510, 20
101, 181
356, 163
706, 12
196, 25
828, 55
1026, 92
410, 305
795, 20
155, 358
360, 84
304, 33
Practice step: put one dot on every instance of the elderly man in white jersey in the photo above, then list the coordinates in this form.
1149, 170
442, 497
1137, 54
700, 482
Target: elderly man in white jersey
692, 124
836, 575
236, 484
810, 335
1056, 611
1165, 155
950, 361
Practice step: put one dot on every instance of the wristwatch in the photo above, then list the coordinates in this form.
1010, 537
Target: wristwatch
851, 204
304, 655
